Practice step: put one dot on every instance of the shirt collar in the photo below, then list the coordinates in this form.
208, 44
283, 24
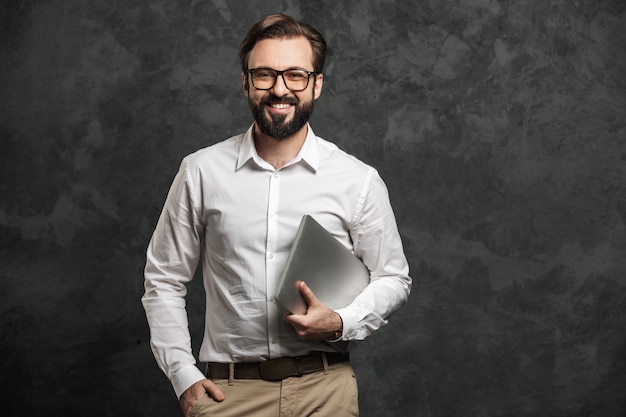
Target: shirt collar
309, 153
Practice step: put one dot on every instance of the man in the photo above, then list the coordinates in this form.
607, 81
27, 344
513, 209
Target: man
236, 206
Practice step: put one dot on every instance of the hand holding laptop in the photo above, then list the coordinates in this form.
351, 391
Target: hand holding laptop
319, 322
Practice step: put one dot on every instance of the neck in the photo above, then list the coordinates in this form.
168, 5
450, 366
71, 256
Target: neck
278, 152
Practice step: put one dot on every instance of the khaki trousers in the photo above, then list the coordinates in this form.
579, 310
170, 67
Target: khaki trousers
332, 393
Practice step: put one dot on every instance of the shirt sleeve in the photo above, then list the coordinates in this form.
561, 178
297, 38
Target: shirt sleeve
378, 244
171, 261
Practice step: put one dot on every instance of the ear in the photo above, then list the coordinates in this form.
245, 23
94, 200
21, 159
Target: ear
319, 81
244, 82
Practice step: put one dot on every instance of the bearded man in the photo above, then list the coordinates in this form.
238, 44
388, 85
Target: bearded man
235, 207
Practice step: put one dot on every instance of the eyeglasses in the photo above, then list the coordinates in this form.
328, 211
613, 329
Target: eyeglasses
265, 78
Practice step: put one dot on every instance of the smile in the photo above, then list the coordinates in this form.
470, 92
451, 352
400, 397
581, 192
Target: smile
280, 105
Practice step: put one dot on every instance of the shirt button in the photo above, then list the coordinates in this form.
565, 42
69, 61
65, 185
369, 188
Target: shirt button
271, 256
272, 298
274, 341
276, 175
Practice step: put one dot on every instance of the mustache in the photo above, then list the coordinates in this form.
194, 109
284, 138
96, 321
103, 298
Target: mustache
272, 99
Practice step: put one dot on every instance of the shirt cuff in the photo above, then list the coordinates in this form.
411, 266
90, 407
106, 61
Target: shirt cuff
186, 377
350, 321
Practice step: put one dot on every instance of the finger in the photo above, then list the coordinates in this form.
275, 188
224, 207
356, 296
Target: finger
294, 319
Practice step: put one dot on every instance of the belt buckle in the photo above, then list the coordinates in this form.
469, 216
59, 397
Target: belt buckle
277, 369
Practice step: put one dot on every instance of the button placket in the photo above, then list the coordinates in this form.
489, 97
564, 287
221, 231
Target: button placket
272, 273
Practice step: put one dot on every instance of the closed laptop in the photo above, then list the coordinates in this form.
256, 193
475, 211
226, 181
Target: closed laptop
334, 274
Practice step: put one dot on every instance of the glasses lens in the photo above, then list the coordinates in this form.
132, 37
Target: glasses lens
263, 79
296, 80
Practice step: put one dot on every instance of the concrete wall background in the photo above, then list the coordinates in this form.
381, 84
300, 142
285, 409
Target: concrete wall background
499, 127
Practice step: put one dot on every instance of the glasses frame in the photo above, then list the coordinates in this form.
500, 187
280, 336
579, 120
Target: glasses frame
281, 73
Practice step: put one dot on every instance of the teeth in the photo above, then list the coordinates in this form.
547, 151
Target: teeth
280, 105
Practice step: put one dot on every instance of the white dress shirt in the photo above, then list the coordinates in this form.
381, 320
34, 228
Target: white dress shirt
237, 214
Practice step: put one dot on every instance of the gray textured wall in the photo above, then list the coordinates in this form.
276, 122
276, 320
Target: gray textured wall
499, 126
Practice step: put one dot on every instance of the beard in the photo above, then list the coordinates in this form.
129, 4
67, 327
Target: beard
275, 126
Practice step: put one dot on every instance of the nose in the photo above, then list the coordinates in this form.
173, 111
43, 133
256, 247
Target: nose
280, 87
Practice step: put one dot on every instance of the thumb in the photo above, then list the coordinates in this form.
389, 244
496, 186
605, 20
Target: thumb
308, 295
213, 390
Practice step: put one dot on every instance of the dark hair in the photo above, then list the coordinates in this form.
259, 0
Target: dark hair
276, 26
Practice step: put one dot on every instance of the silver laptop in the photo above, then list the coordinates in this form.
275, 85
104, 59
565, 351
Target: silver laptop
335, 275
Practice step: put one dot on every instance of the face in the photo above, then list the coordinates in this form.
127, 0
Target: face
280, 112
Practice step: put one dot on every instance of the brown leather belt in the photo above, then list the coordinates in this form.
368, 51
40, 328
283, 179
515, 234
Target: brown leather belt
275, 369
